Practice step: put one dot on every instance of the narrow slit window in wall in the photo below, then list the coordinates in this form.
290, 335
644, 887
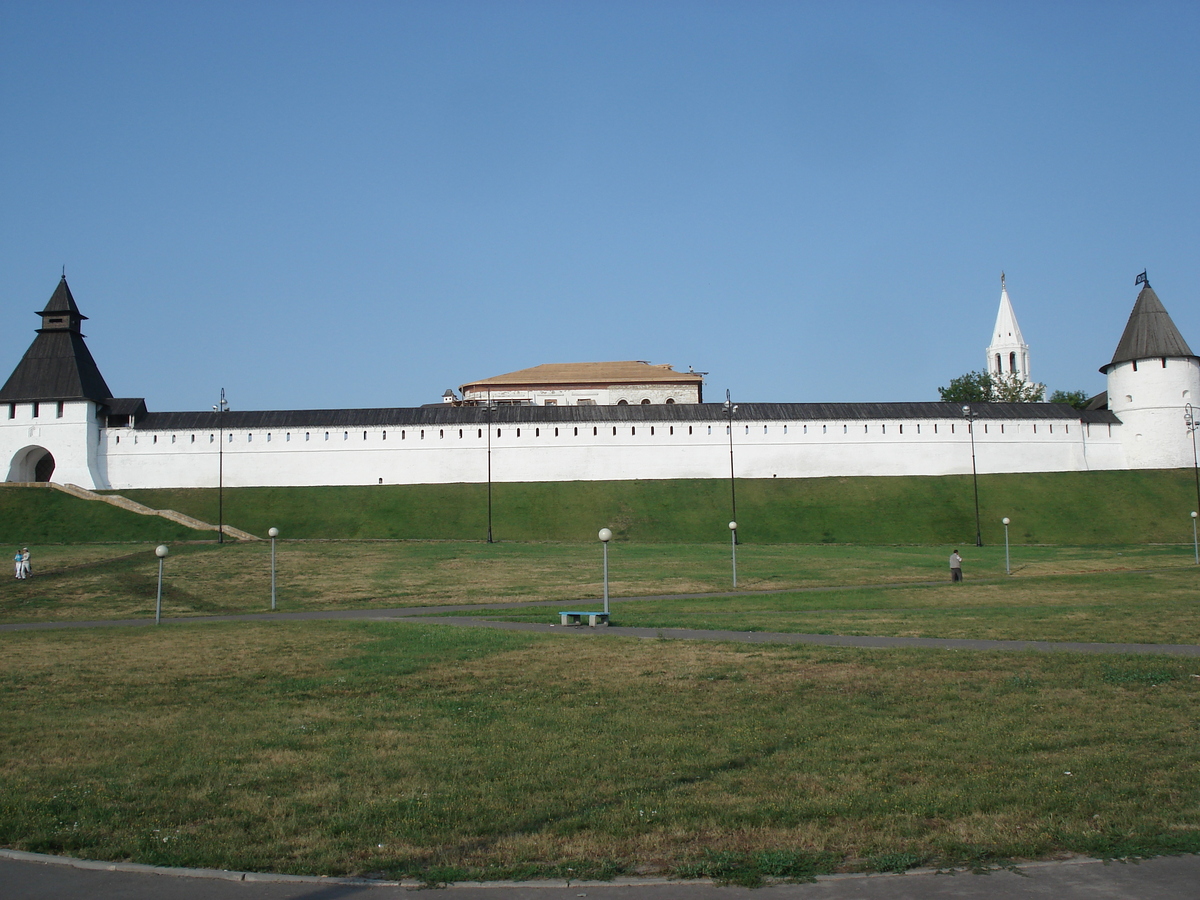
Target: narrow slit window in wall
383, 437
518, 432
935, 428
228, 439
1035, 429
345, 435
747, 429
58, 414
614, 431
883, 429
155, 440
307, 435
478, 432
593, 432
497, 432
785, 429
576, 432
537, 432
689, 429
985, 428
710, 429
556, 432
952, 429
1052, 429
422, 434
12, 410
268, 437
249, 438
441, 434
118, 439
172, 439
327, 435
633, 430
460, 434
651, 431
824, 428
901, 426
364, 435
37, 410
1002, 428
401, 434
288, 436
1067, 429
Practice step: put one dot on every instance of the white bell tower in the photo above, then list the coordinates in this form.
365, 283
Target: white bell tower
1007, 354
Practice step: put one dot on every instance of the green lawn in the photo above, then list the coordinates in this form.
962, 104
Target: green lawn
399, 749
120, 580
1154, 607
1069, 508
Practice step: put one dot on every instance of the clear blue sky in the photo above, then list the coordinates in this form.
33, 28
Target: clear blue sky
349, 204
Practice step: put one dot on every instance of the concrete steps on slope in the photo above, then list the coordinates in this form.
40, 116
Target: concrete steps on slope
142, 510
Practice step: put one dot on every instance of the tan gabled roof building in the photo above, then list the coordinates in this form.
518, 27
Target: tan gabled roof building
594, 383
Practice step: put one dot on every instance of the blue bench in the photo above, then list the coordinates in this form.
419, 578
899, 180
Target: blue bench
576, 618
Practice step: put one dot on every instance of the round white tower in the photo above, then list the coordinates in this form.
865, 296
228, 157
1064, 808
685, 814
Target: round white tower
1152, 377
1007, 354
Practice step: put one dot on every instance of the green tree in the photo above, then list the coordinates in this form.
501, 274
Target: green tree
1077, 399
973, 387
1012, 388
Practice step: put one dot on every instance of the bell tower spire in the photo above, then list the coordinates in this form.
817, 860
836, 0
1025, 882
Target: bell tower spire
1007, 354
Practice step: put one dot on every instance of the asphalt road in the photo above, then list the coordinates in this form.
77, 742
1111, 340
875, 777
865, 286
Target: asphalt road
1163, 878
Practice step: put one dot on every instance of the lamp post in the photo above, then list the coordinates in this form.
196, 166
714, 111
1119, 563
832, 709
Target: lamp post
273, 533
733, 549
605, 536
1007, 567
730, 409
1195, 542
969, 414
161, 552
221, 407
489, 406
1189, 417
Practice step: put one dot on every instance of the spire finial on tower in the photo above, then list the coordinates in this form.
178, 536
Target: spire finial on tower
1001, 280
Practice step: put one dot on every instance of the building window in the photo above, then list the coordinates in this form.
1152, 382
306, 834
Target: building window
12, 410
268, 437
345, 435
307, 435
622, 403
460, 432
537, 432
518, 432
710, 429
249, 438
646, 401
58, 413
1135, 365
155, 440
422, 434
633, 430
228, 438
593, 431
441, 434
172, 439
479, 433
556, 432
118, 439
670, 400
327, 435
935, 428
37, 410
576, 432
614, 431
364, 436
672, 429
549, 402
287, 437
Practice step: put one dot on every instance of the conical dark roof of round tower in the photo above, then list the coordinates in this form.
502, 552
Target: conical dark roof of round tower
58, 364
1150, 333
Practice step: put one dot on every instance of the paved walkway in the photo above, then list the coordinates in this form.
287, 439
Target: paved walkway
27, 876
440, 615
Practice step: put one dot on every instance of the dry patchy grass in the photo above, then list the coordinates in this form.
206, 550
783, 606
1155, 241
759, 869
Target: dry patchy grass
404, 749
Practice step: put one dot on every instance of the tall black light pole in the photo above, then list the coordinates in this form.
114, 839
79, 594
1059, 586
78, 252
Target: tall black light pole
730, 409
489, 407
970, 416
221, 407
1189, 416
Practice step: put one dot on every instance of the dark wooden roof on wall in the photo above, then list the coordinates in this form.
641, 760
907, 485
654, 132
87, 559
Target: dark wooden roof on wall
456, 416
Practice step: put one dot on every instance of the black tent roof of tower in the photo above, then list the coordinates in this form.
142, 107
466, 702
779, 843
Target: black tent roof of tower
1150, 333
58, 364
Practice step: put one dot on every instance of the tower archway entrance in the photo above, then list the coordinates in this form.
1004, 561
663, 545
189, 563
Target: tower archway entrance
31, 464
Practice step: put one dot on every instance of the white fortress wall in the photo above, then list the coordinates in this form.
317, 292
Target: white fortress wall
68, 429
603, 450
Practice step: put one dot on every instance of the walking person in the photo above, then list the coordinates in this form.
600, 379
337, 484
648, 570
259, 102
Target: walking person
955, 566
26, 570
19, 565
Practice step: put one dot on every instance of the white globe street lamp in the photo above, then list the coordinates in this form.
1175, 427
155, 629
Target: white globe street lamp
273, 533
161, 552
733, 535
1007, 567
605, 536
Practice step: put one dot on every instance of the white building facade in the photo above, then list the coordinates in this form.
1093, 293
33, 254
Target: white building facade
59, 422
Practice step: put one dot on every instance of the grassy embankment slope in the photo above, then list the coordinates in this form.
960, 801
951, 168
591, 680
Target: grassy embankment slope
39, 515
1069, 508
